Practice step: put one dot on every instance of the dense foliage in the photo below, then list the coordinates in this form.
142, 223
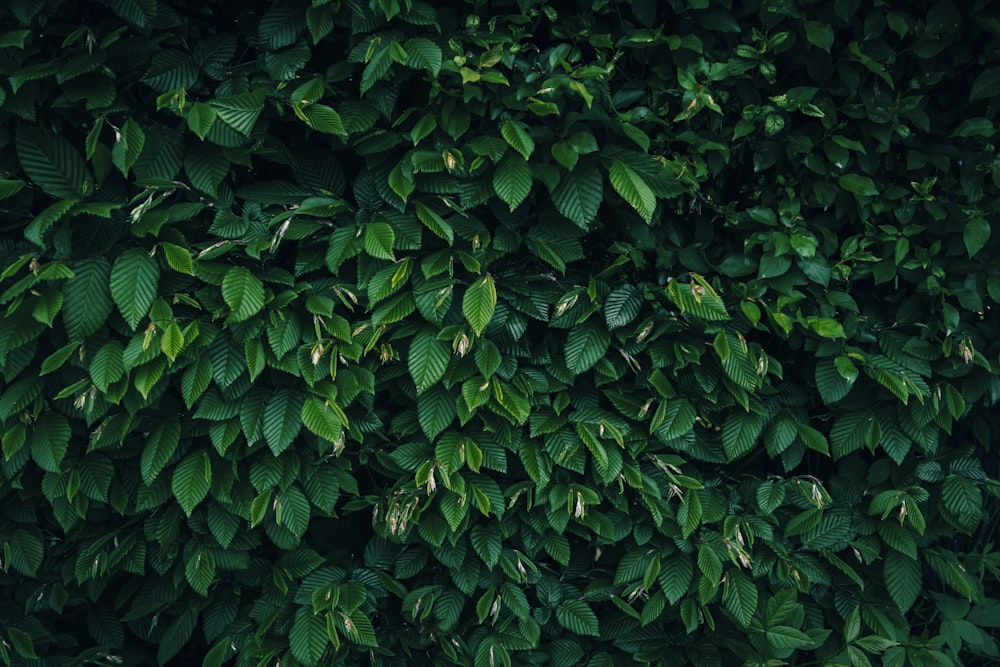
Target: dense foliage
485, 333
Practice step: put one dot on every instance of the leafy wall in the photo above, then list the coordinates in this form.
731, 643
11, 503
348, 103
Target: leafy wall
493, 332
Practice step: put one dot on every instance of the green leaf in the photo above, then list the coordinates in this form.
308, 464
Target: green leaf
128, 146
49, 441
281, 25
740, 597
675, 576
22, 642
622, 305
200, 118
243, 293
577, 617
240, 112
435, 410
422, 53
307, 638
633, 189
903, 579
191, 480
740, 433
858, 184
820, 34
199, 570
976, 235
379, 240
428, 359
770, 495
52, 163
134, 280
324, 119
512, 180
26, 551
282, 419
579, 194
292, 510
585, 345
975, 127
9, 188
159, 448
319, 418
986, 85
106, 366
515, 134
172, 341
479, 303
785, 637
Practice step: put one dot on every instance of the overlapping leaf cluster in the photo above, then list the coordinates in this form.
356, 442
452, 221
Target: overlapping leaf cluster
488, 333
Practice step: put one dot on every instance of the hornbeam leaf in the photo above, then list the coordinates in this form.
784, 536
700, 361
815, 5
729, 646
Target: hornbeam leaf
307, 638
740, 433
49, 441
435, 410
422, 53
518, 138
191, 480
324, 119
159, 448
512, 180
479, 303
585, 345
622, 305
134, 280
577, 617
52, 163
903, 579
243, 293
633, 189
428, 359
240, 112
579, 193
87, 302
740, 597
321, 419
282, 419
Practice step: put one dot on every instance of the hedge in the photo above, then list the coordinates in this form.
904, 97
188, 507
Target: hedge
584, 332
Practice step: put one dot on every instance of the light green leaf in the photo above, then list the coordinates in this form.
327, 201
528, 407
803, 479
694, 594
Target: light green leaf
479, 303
515, 134
243, 293
633, 189
319, 418
585, 345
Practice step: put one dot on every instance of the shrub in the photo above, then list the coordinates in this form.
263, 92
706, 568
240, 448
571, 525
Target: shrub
492, 333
